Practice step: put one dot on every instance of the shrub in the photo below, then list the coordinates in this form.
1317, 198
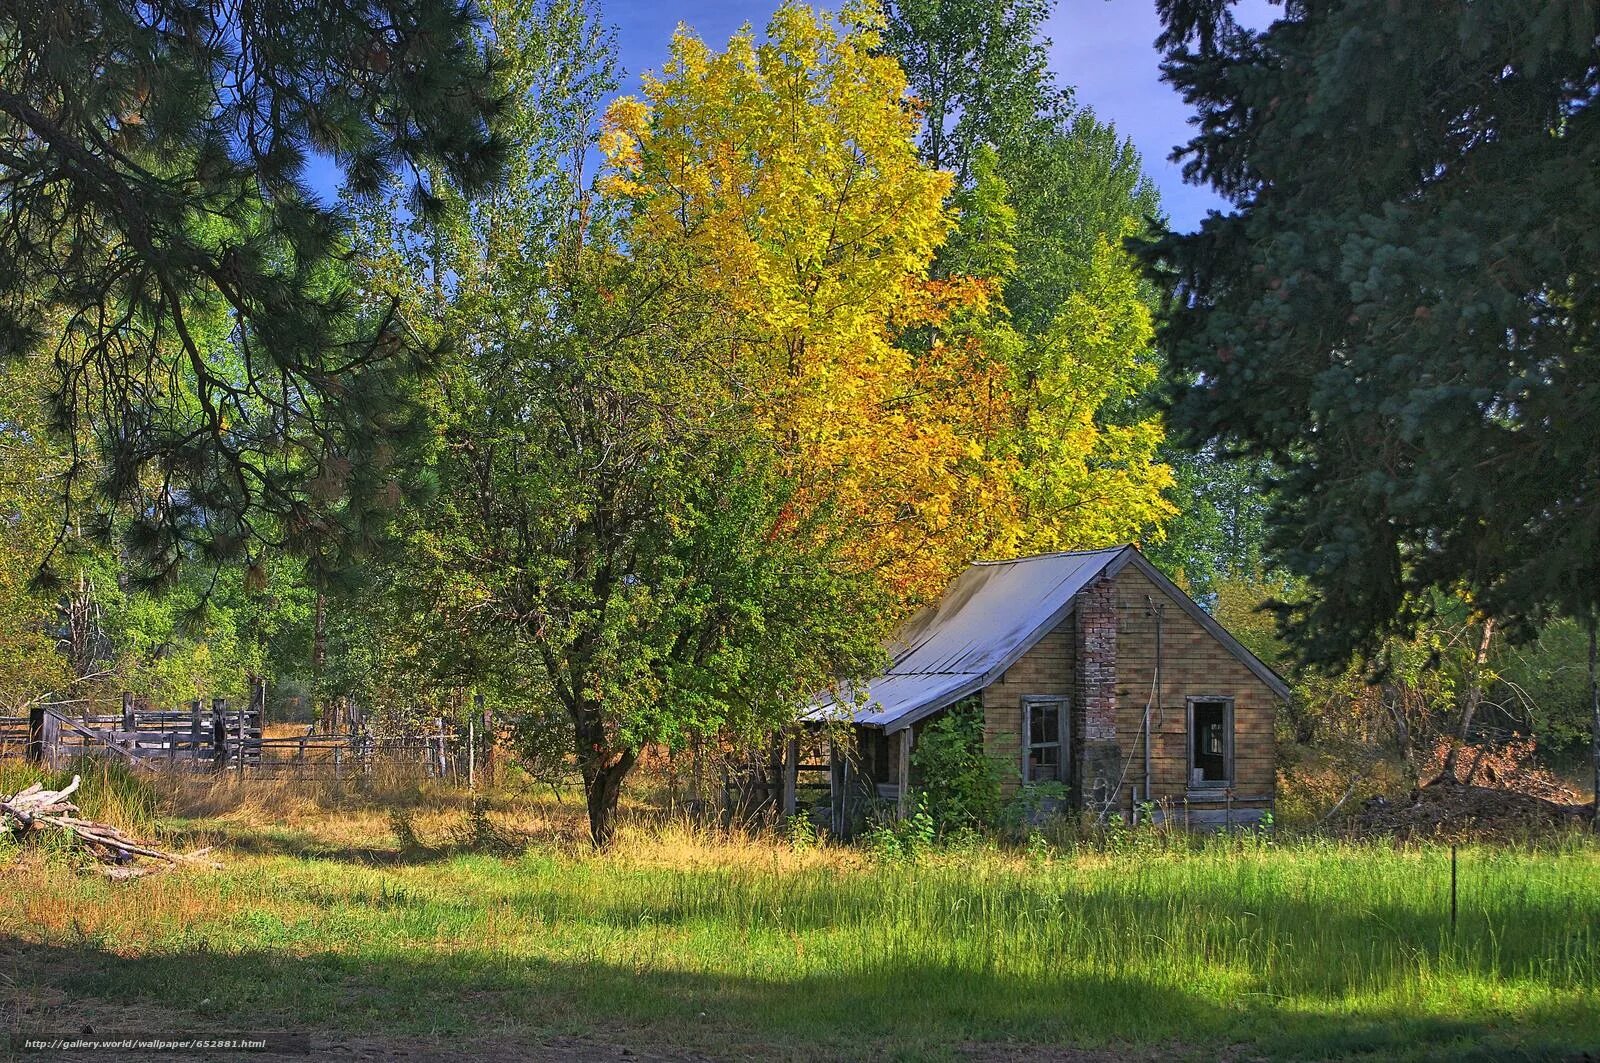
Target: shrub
906, 839
958, 782
1033, 804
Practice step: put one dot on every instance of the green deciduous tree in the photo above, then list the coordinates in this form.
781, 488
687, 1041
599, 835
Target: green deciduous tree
1046, 196
614, 542
975, 69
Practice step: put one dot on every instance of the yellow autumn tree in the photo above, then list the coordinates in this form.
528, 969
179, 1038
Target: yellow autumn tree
781, 180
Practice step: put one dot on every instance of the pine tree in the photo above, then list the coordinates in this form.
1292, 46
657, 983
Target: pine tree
162, 241
1401, 312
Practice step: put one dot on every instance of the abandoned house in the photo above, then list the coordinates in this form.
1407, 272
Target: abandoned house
1092, 670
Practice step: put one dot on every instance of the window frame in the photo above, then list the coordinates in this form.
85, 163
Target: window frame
1061, 704
1229, 767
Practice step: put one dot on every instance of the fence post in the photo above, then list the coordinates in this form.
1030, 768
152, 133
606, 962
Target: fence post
35, 734
258, 704
486, 729
51, 734
195, 730
128, 721
219, 734
472, 752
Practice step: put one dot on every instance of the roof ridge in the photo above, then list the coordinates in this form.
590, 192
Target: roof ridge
1057, 553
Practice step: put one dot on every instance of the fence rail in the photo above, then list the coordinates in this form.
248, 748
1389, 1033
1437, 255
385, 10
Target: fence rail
220, 739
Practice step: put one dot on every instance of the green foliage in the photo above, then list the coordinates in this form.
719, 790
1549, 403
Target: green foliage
165, 250
1219, 534
1047, 195
1398, 315
800, 833
1034, 803
1541, 687
607, 545
910, 839
973, 67
957, 782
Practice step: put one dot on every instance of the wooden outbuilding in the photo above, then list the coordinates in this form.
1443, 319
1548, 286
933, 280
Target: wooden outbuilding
1092, 670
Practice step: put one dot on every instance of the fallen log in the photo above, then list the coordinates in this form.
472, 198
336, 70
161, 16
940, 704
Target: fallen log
37, 809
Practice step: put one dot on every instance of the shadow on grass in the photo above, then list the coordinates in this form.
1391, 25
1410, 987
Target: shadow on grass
899, 1009
405, 850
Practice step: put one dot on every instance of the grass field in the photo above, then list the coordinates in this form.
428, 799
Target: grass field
384, 936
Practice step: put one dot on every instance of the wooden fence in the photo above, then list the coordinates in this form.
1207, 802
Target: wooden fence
218, 738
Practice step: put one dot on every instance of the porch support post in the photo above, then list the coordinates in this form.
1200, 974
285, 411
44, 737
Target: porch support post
903, 774
791, 774
835, 787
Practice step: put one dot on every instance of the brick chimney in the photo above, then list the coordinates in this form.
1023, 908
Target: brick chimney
1097, 758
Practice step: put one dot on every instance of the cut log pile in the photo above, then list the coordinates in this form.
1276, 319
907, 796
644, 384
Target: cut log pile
37, 809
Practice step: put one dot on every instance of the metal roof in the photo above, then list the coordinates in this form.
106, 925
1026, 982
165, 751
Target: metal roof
988, 617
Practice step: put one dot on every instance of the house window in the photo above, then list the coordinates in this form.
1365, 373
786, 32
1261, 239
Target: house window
1044, 728
1210, 742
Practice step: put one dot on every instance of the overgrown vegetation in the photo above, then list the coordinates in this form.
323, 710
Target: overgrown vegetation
957, 781
729, 944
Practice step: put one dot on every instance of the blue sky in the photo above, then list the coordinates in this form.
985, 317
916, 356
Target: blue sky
1104, 48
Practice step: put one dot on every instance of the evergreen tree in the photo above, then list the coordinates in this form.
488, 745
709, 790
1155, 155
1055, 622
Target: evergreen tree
160, 239
1401, 313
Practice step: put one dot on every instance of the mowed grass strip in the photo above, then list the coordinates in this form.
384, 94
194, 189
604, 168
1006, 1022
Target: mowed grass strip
1314, 950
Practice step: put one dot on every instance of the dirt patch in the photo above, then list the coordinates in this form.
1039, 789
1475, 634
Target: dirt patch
1446, 809
1171, 1052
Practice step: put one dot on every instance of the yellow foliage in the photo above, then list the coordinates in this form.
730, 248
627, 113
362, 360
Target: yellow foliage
1089, 479
782, 181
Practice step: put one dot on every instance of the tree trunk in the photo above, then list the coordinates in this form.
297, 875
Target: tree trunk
603, 766
1471, 700
602, 784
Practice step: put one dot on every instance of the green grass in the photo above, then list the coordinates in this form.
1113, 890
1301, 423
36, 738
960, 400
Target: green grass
1317, 950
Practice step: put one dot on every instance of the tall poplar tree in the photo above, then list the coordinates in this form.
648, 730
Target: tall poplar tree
1046, 195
